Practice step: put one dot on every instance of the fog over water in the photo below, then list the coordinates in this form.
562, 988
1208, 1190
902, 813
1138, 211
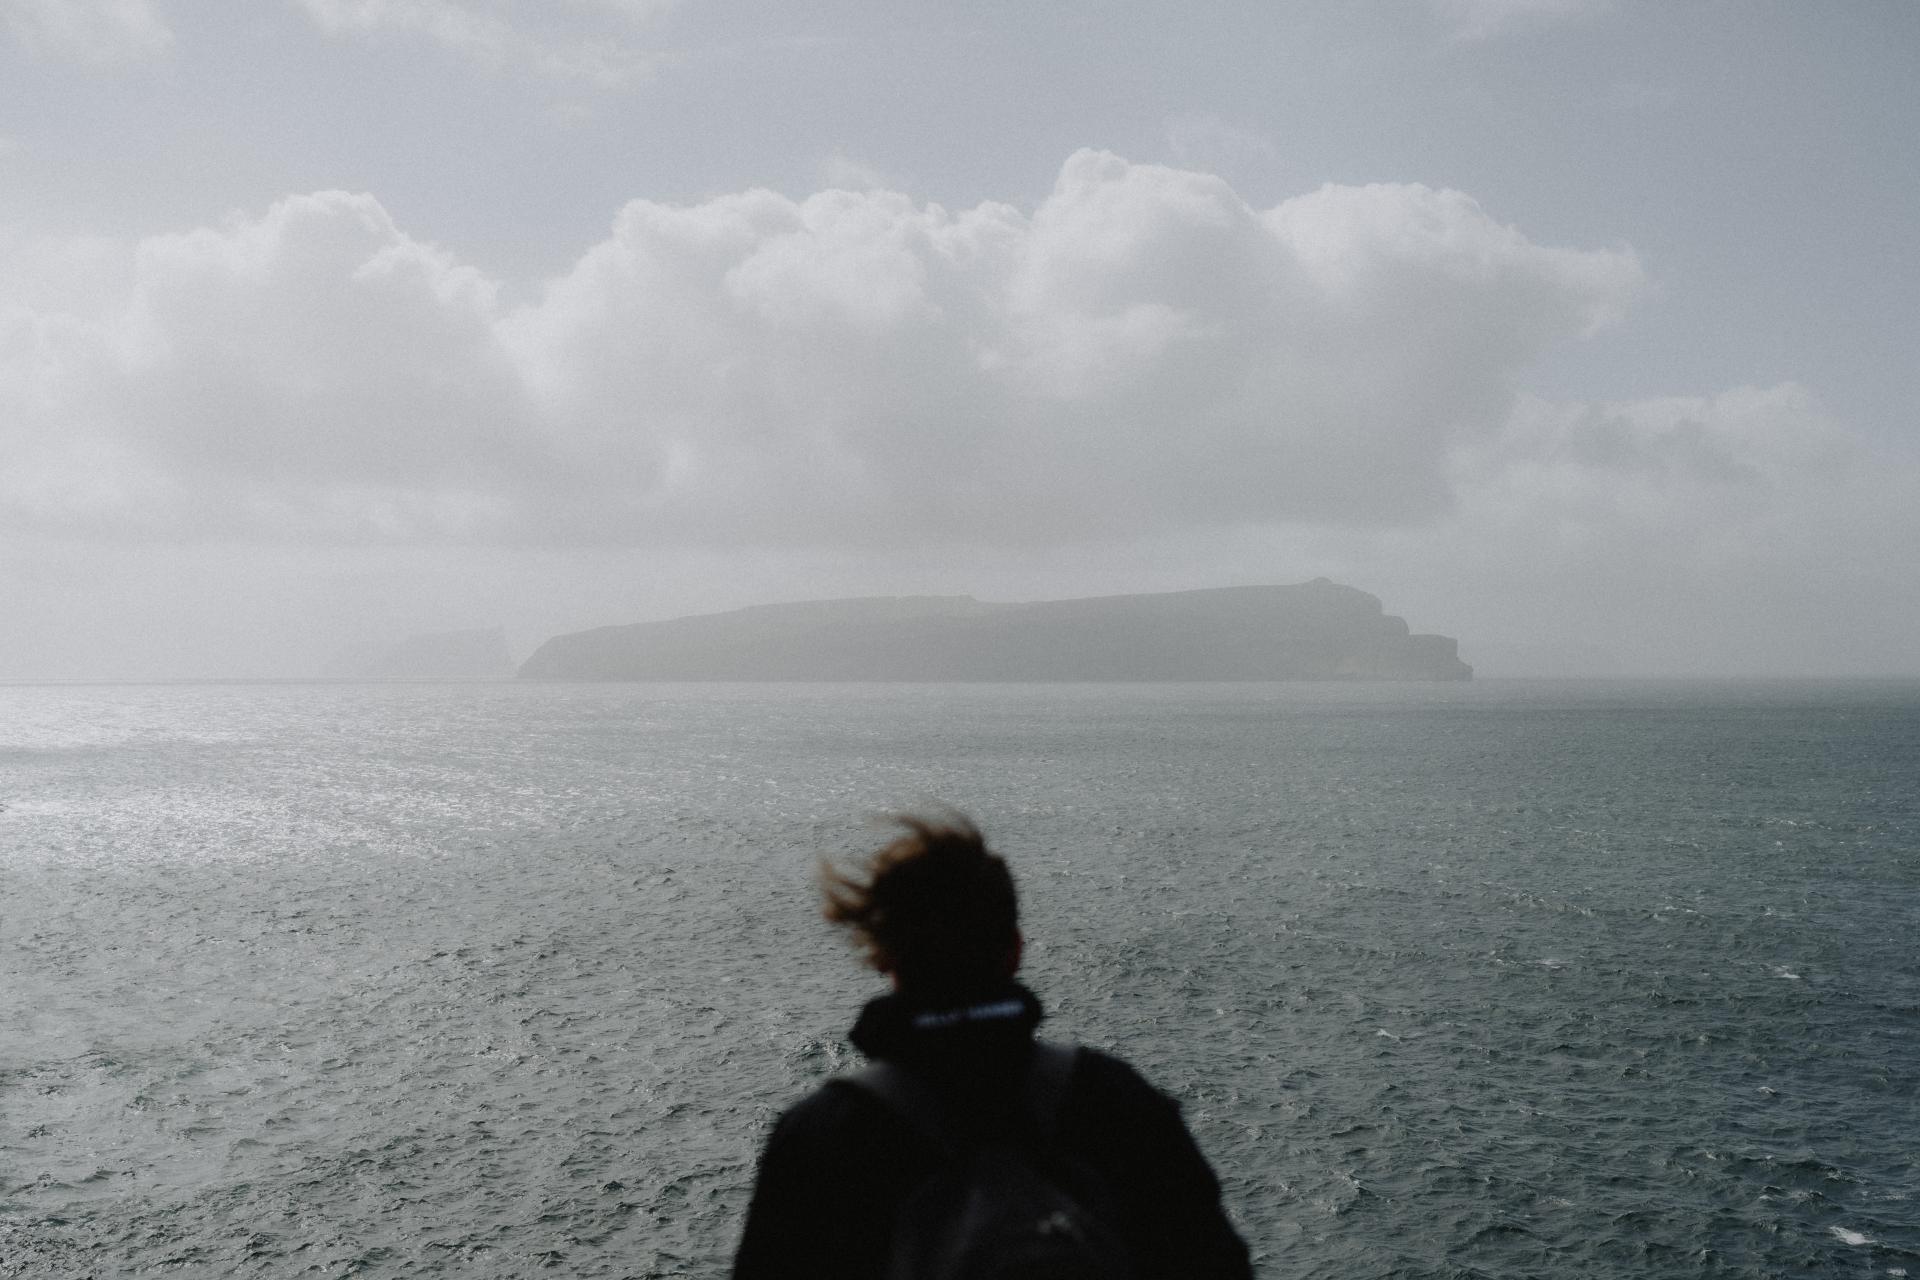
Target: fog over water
1526, 316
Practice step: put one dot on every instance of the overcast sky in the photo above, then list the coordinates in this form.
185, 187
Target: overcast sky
1586, 332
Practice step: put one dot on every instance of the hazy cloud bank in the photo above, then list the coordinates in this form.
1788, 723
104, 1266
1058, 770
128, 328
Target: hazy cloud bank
1141, 383
1746, 531
1144, 351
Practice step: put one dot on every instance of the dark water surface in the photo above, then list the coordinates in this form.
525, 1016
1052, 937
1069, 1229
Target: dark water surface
1508, 979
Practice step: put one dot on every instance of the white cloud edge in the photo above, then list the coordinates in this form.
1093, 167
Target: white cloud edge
1088, 367
988, 385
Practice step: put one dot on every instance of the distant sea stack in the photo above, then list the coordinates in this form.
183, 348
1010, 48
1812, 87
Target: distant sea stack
1315, 630
442, 655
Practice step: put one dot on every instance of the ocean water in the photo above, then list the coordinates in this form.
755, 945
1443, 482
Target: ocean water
1503, 979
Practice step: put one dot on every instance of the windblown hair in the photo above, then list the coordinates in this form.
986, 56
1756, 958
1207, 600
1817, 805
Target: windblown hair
935, 907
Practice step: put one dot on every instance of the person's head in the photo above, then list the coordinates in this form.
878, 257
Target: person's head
935, 909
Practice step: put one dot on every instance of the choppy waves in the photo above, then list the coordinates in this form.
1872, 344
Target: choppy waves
1492, 981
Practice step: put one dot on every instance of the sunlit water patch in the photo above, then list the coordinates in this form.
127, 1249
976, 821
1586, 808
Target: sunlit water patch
1494, 980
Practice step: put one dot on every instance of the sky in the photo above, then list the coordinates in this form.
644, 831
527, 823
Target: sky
1586, 331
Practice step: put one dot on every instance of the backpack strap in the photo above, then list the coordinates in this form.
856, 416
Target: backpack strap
909, 1096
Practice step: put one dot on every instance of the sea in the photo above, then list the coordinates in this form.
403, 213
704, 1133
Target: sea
1498, 979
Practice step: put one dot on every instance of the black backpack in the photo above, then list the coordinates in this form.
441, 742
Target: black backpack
1000, 1206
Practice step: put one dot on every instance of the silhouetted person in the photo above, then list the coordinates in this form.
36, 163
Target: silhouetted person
967, 1136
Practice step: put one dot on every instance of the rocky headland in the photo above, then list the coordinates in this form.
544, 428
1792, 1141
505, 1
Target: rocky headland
1315, 630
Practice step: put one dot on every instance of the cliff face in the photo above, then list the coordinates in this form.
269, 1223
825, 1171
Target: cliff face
1313, 631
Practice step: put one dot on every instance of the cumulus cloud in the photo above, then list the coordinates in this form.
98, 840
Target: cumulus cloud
582, 40
310, 373
1141, 352
1141, 382
95, 33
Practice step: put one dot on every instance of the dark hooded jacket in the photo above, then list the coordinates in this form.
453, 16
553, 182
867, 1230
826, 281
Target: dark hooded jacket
839, 1162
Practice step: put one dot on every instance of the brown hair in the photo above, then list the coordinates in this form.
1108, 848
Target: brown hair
935, 907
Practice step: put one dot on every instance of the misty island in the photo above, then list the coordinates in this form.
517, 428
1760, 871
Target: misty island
1315, 630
